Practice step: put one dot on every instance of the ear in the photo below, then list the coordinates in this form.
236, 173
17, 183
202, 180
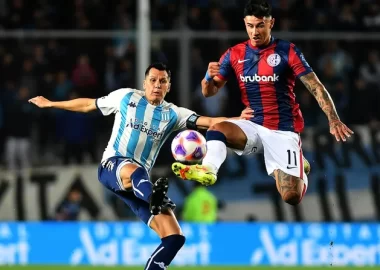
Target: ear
272, 23
169, 88
144, 84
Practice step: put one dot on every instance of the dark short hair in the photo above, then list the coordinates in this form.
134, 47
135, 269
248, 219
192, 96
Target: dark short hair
258, 8
159, 66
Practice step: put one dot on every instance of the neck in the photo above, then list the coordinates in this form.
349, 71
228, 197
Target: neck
154, 102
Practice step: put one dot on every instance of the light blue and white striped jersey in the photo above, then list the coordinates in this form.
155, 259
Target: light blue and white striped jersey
140, 128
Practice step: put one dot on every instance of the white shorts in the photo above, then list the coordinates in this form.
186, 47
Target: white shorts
282, 149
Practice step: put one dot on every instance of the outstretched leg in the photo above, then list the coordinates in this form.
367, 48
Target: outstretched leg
130, 183
219, 137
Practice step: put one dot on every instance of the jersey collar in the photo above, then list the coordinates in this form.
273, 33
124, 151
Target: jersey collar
263, 47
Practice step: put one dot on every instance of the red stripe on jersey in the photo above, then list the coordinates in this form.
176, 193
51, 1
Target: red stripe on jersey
295, 62
268, 93
238, 53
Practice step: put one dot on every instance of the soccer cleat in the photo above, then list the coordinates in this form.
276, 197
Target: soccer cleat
199, 173
160, 188
306, 166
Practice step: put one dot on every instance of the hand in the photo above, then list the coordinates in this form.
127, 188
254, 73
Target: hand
41, 102
340, 130
213, 69
247, 113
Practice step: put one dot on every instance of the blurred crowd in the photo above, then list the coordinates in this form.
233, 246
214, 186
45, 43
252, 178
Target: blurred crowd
219, 15
63, 69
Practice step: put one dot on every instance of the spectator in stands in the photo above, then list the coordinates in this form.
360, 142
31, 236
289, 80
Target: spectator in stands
69, 209
18, 128
370, 70
77, 133
84, 76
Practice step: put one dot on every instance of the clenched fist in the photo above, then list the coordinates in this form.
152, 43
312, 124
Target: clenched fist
213, 69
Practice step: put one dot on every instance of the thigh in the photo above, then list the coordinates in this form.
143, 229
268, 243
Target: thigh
282, 151
109, 173
109, 176
252, 142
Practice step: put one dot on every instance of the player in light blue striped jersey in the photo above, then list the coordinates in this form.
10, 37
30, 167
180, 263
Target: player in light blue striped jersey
143, 121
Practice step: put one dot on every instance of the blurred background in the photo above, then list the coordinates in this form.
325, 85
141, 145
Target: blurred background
87, 48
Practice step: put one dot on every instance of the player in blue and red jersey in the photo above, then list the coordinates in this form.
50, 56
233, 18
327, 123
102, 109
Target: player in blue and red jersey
266, 69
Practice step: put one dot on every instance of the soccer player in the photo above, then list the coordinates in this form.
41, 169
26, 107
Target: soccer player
143, 121
266, 68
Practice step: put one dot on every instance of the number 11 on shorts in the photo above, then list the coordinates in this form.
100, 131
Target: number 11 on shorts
292, 163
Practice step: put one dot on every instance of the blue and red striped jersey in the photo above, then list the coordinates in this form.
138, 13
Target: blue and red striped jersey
266, 79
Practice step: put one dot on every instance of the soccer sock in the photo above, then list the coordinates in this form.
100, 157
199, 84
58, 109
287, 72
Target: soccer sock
216, 150
142, 187
165, 253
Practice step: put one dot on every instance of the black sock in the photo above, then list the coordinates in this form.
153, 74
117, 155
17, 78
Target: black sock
165, 253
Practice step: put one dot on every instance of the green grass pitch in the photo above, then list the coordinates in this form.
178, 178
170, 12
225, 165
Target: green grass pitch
177, 268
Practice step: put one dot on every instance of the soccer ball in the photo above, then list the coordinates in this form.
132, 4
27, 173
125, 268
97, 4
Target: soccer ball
189, 146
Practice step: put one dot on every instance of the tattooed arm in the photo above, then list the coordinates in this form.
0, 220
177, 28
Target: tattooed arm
318, 90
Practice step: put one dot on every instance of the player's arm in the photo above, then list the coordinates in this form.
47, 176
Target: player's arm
76, 105
318, 90
211, 83
216, 75
204, 122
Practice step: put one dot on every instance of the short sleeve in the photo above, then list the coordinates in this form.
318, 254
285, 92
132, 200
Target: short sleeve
183, 115
298, 63
111, 103
225, 66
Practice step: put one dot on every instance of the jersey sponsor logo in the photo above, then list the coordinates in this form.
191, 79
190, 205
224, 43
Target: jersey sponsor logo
274, 60
258, 78
143, 127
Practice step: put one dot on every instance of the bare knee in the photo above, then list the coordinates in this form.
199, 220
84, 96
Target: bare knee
290, 187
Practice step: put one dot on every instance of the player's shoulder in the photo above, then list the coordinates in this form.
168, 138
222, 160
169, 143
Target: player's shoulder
121, 92
239, 47
174, 108
284, 43
169, 106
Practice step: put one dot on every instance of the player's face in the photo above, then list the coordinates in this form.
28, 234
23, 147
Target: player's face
156, 85
259, 29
